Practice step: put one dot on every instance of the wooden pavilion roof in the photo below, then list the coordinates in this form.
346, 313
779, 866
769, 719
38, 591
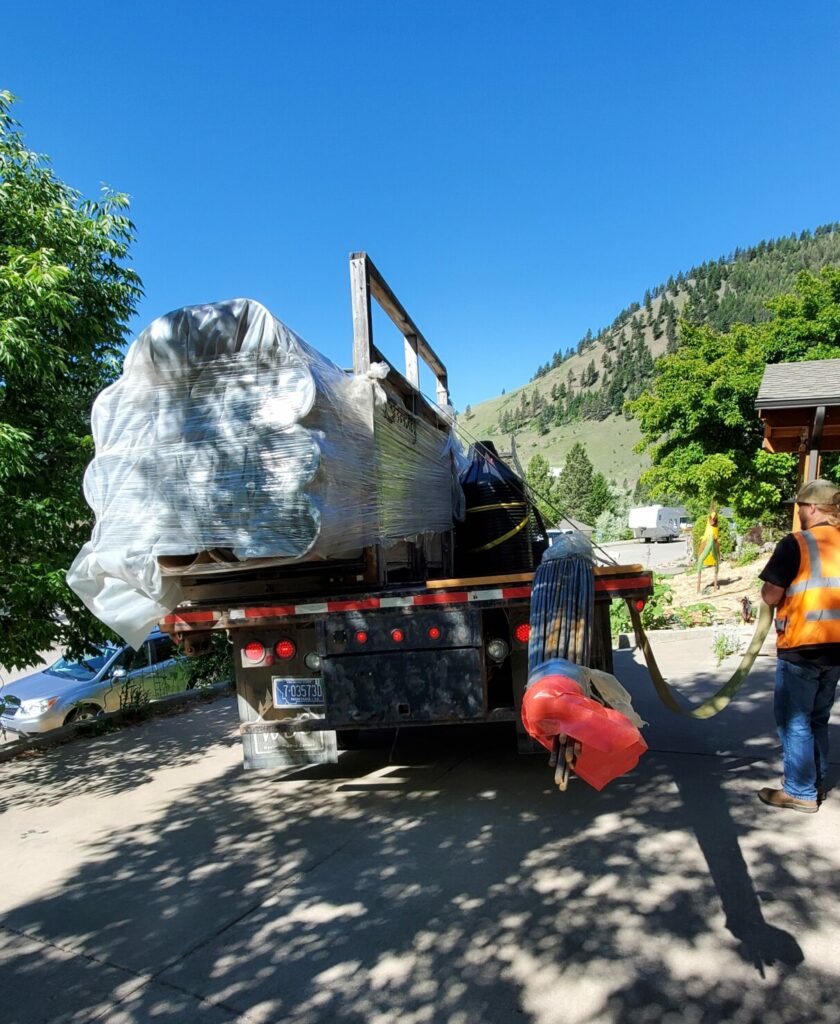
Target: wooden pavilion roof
799, 404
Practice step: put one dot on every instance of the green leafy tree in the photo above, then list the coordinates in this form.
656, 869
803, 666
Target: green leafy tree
698, 420
66, 295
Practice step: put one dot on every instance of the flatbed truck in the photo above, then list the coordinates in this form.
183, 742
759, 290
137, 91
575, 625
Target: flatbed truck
323, 652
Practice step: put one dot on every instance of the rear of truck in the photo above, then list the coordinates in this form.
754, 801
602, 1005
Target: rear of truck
313, 675
244, 482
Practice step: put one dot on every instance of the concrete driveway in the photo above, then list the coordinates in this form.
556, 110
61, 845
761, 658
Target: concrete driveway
147, 878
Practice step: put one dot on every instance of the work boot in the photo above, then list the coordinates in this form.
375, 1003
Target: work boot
779, 798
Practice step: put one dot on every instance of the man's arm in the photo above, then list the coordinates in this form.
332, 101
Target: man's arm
771, 594
780, 571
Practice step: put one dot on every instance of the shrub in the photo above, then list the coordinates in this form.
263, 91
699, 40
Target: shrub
749, 553
657, 613
692, 615
726, 641
215, 666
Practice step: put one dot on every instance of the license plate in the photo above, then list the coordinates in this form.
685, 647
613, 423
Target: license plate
294, 693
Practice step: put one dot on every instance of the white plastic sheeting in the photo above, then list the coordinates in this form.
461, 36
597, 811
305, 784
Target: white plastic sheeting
228, 439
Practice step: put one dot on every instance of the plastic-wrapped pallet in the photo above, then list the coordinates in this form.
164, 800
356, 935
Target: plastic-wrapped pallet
228, 439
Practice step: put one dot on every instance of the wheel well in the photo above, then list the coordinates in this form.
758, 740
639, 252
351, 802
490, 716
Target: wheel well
74, 713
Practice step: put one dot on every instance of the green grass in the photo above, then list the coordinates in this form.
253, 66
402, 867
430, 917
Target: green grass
609, 443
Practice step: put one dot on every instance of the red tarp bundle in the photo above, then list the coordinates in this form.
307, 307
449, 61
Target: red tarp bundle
554, 703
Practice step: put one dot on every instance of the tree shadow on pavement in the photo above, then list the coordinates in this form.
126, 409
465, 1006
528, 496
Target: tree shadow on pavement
119, 761
454, 885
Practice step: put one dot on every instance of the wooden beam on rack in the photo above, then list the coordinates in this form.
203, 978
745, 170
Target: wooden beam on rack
391, 305
523, 577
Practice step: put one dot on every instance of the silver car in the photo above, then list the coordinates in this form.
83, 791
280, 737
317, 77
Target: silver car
109, 678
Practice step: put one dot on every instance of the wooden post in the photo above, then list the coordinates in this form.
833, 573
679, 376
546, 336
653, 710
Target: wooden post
412, 363
362, 320
809, 469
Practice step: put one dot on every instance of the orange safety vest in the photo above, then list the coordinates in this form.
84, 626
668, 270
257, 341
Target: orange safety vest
809, 613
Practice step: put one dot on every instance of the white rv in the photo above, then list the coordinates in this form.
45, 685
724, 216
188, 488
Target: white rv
656, 522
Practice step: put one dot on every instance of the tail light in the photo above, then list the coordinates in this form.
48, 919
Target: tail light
285, 650
523, 632
397, 636
639, 605
433, 633
254, 651
361, 637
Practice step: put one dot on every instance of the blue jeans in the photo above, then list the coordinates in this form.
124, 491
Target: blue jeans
803, 699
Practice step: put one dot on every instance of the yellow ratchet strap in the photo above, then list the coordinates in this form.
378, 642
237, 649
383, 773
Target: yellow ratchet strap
718, 701
500, 540
492, 508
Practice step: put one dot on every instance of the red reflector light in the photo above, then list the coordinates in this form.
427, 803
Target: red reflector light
397, 636
361, 637
254, 651
434, 633
285, 649
523, 632
640, 604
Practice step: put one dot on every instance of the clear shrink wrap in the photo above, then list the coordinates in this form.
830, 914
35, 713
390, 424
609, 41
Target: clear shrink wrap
229, 440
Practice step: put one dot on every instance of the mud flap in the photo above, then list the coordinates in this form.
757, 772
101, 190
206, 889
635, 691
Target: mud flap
271, 745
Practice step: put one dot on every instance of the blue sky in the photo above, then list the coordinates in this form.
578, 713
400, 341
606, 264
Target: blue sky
519, 173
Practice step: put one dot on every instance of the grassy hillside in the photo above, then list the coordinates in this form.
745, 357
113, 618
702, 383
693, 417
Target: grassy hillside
609, 443
578, 393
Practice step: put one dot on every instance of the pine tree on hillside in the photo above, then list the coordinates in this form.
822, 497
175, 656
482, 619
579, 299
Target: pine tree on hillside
581, 491
575, 482
543, 488
544, 421
600, 497
591, 374
671, 333
657, 325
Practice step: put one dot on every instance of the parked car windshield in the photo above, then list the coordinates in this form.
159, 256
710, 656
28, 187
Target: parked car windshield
87, 667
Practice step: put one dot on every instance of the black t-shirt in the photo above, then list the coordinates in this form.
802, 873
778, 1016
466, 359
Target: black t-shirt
781, 571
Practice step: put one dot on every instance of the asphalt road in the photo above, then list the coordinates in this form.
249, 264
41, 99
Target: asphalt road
665, 558
148, 878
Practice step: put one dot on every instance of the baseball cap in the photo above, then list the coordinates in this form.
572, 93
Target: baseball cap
818, 492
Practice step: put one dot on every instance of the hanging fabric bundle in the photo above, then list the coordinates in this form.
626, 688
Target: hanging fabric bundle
562, 603
571, 710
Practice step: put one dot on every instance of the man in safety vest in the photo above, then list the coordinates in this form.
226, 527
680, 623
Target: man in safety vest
802, 583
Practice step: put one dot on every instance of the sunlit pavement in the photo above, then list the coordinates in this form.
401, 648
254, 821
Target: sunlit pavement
668, 559
147, 878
